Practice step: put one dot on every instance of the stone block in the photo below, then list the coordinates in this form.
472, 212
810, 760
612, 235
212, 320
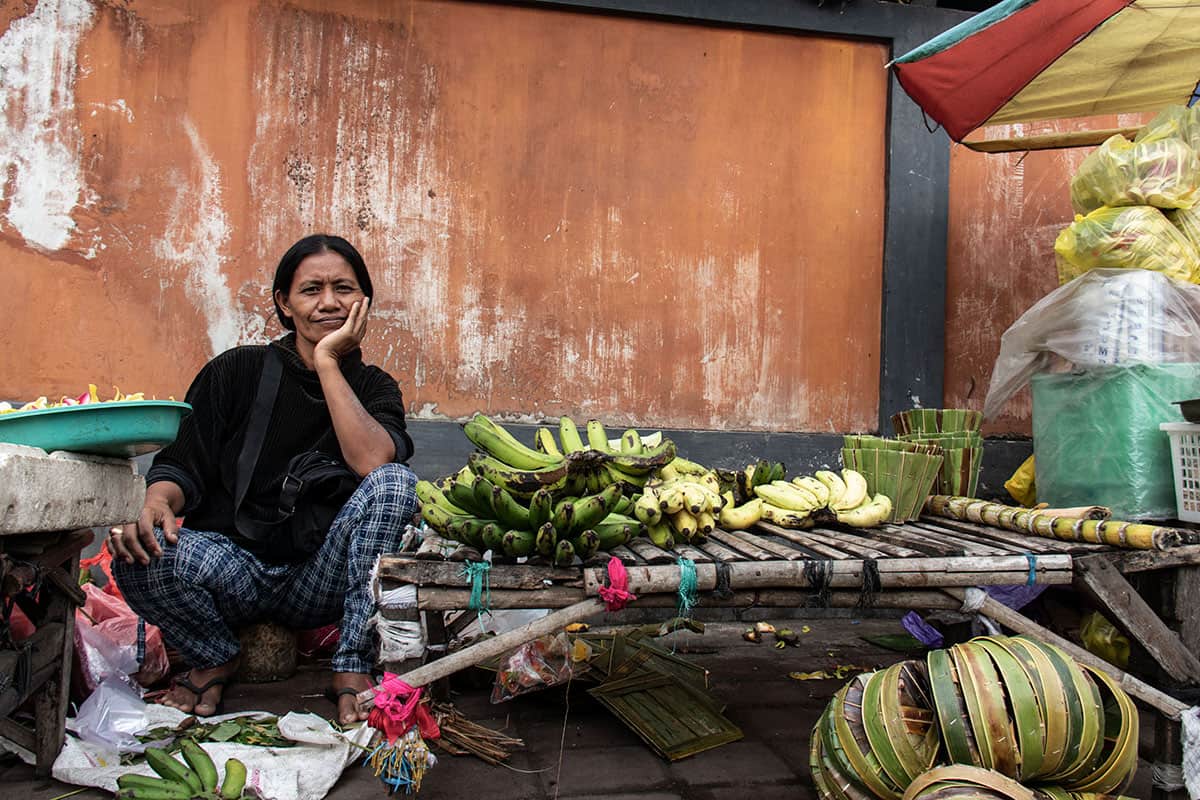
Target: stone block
58, 491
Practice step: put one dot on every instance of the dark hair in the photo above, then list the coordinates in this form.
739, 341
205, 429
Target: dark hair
311, 245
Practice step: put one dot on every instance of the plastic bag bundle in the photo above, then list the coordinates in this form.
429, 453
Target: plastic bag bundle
1173, 122
1164, 173
1187, 220
1105, 317
1132, 237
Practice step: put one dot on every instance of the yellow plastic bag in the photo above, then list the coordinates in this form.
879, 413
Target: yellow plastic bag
1173, 122
1022, 486
1132, 237
1100, 637
1187, 220
1164, 173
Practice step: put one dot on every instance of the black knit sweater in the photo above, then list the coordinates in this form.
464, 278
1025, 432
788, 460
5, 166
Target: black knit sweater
203, 458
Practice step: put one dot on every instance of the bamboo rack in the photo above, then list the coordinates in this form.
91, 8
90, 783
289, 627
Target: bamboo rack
1114, 533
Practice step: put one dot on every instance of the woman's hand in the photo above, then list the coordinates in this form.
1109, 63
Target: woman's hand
347, 338
136, 541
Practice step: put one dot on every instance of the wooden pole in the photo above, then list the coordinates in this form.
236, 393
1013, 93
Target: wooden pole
494, 646
1168, 705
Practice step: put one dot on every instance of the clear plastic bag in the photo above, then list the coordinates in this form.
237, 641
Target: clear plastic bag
1104, 317
112, 716
535, 665
1131, 237
1173, 122
1163, 172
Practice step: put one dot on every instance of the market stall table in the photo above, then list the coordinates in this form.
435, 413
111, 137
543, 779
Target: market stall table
47, 504
933, 563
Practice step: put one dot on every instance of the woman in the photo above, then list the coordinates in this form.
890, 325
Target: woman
201, 582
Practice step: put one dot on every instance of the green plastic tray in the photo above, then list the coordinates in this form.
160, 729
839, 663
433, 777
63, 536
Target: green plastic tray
122, 429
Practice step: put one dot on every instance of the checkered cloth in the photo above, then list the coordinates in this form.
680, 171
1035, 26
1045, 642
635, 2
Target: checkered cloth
206, 587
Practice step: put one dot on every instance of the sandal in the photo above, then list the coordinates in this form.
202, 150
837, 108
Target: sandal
185, 681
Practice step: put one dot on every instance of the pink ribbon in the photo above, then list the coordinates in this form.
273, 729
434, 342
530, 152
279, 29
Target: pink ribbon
617, 593
397, 707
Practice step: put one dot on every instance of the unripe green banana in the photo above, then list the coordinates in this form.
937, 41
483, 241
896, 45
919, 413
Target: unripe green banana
686, 467
646, 509
615, 534
482, 489
468, 530
519, 543
588, 511
201, 763
625, 504
172, 769
518, 482
646, 462
546, 539
143, 787
429, 494
660, 534
762, 474
632, 479
502, 445
514, 515
586, 544
563, 517
493, 537
541, 508
597, 437
564, 553
568, 435
235, 780
631, 442
462, 494
544, 441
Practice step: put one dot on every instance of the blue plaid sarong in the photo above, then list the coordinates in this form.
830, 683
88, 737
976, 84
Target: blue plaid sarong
206, 587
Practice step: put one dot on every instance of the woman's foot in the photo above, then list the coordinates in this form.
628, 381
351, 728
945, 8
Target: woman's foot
199, 691
345, 686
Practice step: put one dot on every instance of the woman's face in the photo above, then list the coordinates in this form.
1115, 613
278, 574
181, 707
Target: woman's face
322, 292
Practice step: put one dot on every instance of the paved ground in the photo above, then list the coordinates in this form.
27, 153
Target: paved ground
574, 748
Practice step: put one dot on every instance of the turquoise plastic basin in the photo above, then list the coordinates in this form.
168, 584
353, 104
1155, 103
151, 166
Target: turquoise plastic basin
122, 429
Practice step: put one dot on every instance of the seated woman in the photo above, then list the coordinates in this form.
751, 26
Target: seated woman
199, 583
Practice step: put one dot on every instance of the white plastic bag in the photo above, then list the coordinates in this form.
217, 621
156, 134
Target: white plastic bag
1105, 317
112, 716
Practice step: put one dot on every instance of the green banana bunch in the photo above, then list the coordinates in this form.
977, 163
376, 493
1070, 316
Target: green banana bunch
173, 770
201, 763
497, 442
518, 481
757, 474
143, 787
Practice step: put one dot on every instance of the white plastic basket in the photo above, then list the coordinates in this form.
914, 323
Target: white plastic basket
1185, 463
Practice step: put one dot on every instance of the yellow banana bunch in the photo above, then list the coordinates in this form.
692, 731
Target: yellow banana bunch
688, 498
791, 504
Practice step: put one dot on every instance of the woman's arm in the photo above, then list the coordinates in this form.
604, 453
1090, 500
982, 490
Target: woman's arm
136, 541
365, 444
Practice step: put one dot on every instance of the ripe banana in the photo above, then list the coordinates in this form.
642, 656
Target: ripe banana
837, 486
787, 496
646, 509
684, 523
235, 780
705, 522
819, 490
868, 514
502, 445
741, 517
685, 467
786, 517
856, 491
201, 763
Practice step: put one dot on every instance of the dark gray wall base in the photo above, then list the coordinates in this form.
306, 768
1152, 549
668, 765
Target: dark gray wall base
442, 448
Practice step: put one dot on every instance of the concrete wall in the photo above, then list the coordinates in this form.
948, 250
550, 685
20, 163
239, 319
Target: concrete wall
644, 221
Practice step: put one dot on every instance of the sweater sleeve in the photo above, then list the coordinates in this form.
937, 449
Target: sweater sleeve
191, 461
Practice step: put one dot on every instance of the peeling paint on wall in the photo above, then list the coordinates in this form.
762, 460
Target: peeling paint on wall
40, 174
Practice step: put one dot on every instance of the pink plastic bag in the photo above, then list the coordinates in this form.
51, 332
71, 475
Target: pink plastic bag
109, 647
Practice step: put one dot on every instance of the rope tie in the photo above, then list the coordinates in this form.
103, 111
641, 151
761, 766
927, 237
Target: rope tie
687, 587
1032, 579
398, 707
477, 572
616, 594
871, 584
724, 589
819, 576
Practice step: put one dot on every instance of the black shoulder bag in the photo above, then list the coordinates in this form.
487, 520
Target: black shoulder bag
314, 489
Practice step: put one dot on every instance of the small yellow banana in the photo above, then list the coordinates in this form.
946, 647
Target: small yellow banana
855, 494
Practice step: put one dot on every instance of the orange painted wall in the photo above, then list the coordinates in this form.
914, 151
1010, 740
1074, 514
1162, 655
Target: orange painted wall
1006, 210
647, 222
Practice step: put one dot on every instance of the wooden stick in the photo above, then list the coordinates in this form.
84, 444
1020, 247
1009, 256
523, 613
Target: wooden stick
1168, 705
488, 648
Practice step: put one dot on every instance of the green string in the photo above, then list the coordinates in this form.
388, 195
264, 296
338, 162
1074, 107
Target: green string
687, 587
481, 591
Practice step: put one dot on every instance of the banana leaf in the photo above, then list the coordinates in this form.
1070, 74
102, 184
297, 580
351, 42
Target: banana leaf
874, 713
989, 784
1118, 759
984, 696
908, 716
850, 744
840, 780
1052, 699
1024, 706
951, 711
1084, 714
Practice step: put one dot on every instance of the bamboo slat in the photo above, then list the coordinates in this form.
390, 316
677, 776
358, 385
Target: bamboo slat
979, 544
776, 549
749, 544
923, 545
649, 553
814, 544
689, 552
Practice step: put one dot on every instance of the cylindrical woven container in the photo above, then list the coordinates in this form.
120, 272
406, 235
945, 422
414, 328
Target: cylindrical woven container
268, 653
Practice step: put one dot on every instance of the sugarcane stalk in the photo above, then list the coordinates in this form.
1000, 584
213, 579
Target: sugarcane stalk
1130, 535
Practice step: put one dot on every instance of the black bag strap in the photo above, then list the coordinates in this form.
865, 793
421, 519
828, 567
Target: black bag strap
256, 429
